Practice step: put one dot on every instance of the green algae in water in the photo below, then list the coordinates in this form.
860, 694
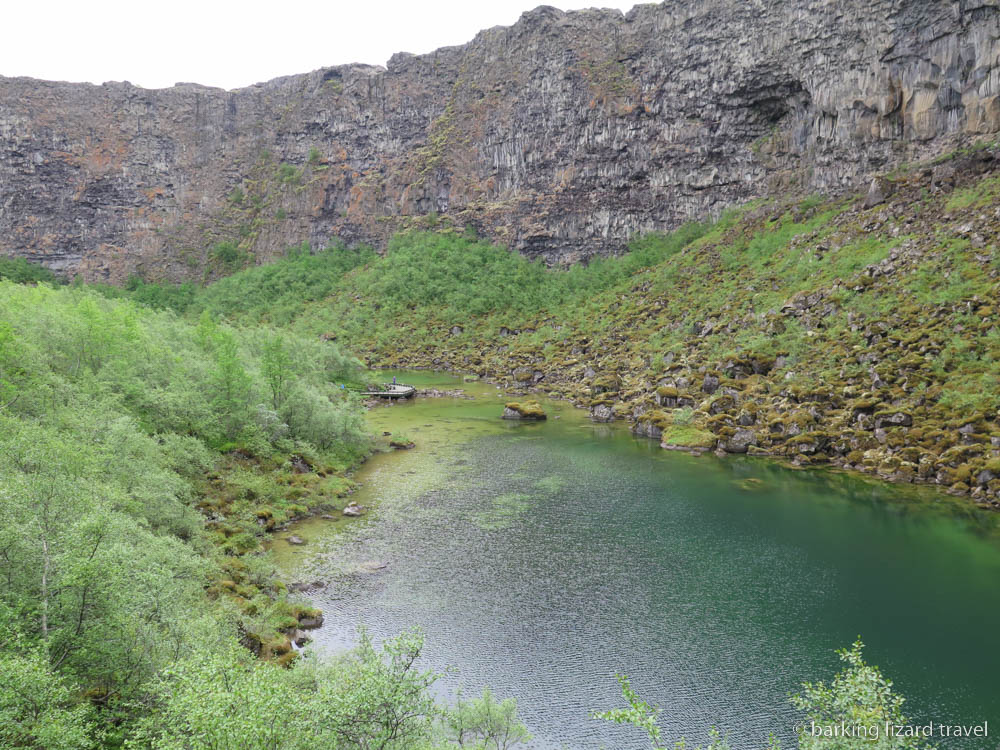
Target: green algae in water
552, 484
505, 510
597, 553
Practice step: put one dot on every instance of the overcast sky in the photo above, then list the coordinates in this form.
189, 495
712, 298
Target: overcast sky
229, 44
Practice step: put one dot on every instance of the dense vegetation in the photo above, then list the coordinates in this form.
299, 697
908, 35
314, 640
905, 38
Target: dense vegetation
21, 271
818, 331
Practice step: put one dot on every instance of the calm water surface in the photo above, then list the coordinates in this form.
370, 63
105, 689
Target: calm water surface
542, 559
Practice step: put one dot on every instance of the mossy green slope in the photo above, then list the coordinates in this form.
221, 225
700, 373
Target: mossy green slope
818, 331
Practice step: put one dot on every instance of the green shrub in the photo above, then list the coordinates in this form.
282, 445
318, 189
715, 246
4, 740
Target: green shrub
228, 255
21, 271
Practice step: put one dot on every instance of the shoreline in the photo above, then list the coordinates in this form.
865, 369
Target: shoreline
832, 464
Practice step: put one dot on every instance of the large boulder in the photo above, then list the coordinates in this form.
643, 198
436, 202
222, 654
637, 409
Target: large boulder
647, 429
892, 419
605, 384
737, 369
527, 410
666, 395
878, 192
740, 441
943, 176
310, 620
602, 413
722, 404
985, 477
523, 374
809, 443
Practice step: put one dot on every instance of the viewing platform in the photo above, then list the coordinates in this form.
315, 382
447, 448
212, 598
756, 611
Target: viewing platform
390, 390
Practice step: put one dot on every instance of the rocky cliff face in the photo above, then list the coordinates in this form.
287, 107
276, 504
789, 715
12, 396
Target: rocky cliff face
560, 136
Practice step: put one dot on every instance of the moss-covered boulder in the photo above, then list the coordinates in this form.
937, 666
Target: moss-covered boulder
523, 374
892, 418
527, 410
313, 620
808, 443
651, 424
666, 395
720, 404
606, 384
687, 437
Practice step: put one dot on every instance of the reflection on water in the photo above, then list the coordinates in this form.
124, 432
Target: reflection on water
542, 559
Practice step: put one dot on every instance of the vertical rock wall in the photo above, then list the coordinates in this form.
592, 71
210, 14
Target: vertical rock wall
560, 136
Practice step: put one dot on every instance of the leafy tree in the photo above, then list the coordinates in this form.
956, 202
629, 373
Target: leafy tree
227, 254
11, 364
485, 724
224, 701
371, 699
278, 367
378, 702
40, 709
231, 385
105, 597
858, 696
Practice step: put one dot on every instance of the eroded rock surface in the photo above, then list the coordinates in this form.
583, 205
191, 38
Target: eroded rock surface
560, 136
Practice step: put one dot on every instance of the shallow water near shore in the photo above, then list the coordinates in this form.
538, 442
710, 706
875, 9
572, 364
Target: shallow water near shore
541, 559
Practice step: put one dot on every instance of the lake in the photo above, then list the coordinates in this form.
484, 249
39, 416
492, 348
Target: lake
541, 559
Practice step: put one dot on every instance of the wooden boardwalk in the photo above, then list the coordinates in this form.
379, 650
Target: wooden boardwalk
391, 390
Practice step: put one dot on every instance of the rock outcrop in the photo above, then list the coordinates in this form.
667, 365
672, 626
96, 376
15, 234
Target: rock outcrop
527, 410
560, 136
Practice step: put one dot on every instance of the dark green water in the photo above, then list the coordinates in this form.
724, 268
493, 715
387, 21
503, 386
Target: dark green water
541, 559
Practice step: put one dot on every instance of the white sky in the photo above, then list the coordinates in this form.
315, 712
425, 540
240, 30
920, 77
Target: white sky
232, 44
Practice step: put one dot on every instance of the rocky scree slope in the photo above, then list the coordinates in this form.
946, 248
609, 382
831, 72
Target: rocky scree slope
560, 136
861, 332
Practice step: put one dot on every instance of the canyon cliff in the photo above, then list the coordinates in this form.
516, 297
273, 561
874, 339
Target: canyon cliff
560, 136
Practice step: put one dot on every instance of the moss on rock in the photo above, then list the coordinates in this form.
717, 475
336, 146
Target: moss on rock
529, 410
